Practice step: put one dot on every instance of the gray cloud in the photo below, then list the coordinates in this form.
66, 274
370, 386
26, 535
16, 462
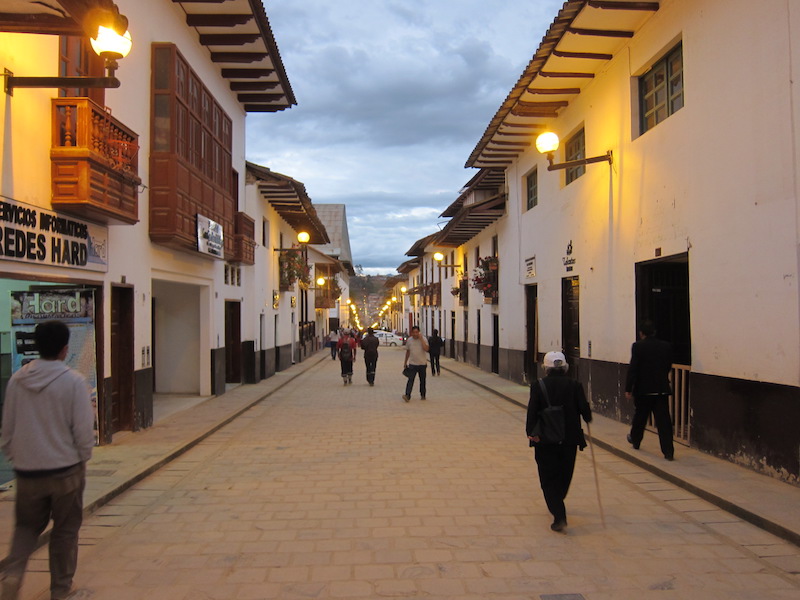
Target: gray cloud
392, 97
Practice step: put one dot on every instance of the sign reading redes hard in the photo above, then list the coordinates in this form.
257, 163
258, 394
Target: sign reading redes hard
34, 235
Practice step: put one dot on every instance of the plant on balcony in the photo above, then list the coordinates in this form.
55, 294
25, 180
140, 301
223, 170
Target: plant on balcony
455, 290
484, 276
293, 267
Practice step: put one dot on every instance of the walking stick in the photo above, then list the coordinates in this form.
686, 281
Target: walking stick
596, 479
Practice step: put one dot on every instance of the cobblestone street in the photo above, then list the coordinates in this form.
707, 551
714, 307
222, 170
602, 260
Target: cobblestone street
331, 491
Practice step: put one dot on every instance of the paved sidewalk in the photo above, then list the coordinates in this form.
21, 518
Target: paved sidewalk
760, 500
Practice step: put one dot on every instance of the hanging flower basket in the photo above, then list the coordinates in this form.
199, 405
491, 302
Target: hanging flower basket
293, 267
455, 291
484, 276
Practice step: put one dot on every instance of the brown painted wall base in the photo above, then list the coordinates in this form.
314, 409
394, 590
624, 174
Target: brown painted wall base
218, 371
746, 422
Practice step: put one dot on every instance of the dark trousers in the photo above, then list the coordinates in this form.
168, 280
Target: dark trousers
435, 368
556, 464
347, 367
333, 350
659, 406
39, 499
371, 363
420, 370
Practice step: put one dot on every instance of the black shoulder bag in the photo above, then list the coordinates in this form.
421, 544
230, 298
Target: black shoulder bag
550, 426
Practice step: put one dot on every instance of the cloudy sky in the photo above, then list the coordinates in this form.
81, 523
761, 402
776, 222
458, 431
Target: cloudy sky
392, 96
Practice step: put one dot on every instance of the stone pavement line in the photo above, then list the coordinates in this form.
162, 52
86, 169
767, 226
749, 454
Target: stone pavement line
139, 455
347, 492
758, 499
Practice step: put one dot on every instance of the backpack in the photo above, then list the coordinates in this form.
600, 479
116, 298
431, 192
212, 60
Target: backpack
346, 351
550, 427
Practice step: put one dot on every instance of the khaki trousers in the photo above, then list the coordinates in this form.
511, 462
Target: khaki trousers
58, 497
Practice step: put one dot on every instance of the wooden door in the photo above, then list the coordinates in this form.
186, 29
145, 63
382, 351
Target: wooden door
233, 341
122, 359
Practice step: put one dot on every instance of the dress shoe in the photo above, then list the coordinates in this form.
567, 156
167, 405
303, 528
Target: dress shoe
630, 441
670, 457
406, 398
558, 525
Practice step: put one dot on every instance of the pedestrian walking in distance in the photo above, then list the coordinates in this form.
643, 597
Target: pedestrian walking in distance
556, 460
416, 361
347, 354
48, 436
334, 343
370, 345
435, 344
648, 384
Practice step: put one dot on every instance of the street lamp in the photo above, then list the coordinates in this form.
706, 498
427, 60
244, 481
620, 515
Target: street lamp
111, 42
547, 143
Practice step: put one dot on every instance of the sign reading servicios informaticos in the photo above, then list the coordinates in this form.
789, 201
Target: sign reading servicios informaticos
31, 234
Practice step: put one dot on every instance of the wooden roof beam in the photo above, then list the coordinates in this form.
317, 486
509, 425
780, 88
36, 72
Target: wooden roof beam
253, 86
553, 91
600, 32
238, 57
217, 20
228, 39
545, 106
246, 73
589, 55
617, 5
566, 75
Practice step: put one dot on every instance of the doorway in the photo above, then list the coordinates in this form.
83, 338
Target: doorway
495, 343
662, 296
233, 341
122, 357
478, 331
570, 323
531, 330
452, 334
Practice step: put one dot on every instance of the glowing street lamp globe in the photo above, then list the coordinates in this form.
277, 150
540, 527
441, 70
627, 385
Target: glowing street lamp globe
303, 237
547, 142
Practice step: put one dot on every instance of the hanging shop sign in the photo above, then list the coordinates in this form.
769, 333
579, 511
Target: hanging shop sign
34, 235
569, 260
209, 237
73, 306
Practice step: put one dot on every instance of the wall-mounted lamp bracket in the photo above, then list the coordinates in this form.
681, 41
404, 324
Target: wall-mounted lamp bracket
577, 163
11, 82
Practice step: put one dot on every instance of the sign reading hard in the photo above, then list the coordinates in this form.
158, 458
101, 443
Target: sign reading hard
34, 235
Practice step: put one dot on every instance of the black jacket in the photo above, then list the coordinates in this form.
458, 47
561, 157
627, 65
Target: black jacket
370, 345
562, 391
651, 364
435, 344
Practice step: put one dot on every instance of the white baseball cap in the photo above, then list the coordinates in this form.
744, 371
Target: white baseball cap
555, 360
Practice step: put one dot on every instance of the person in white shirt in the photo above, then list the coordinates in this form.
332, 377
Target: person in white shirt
417, 361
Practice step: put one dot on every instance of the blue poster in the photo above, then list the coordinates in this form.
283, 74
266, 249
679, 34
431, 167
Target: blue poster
75, 307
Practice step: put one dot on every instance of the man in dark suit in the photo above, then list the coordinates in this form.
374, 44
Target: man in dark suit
648, 384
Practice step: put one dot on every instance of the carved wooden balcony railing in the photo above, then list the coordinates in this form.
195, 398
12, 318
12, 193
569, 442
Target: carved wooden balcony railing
94, 163
244, 243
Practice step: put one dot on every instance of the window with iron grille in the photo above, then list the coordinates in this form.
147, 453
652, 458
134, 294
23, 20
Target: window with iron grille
575, 149
532, 189
661, 89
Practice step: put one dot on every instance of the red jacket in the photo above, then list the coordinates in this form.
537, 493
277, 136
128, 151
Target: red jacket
350, 341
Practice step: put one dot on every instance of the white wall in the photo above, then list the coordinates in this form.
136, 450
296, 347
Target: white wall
716, 179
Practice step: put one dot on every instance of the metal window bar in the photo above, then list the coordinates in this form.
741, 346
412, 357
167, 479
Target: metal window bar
679, 405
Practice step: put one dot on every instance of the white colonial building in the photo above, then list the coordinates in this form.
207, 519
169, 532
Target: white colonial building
686, 213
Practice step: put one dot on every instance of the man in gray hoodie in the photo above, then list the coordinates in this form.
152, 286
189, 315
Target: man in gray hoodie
48, 436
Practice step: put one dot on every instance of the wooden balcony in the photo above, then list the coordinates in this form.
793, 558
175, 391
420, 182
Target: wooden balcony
244, 243
93, 163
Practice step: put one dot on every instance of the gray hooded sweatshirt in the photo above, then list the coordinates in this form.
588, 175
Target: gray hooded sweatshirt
48, 419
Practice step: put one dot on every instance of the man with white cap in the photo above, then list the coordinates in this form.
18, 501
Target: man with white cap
556, 459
